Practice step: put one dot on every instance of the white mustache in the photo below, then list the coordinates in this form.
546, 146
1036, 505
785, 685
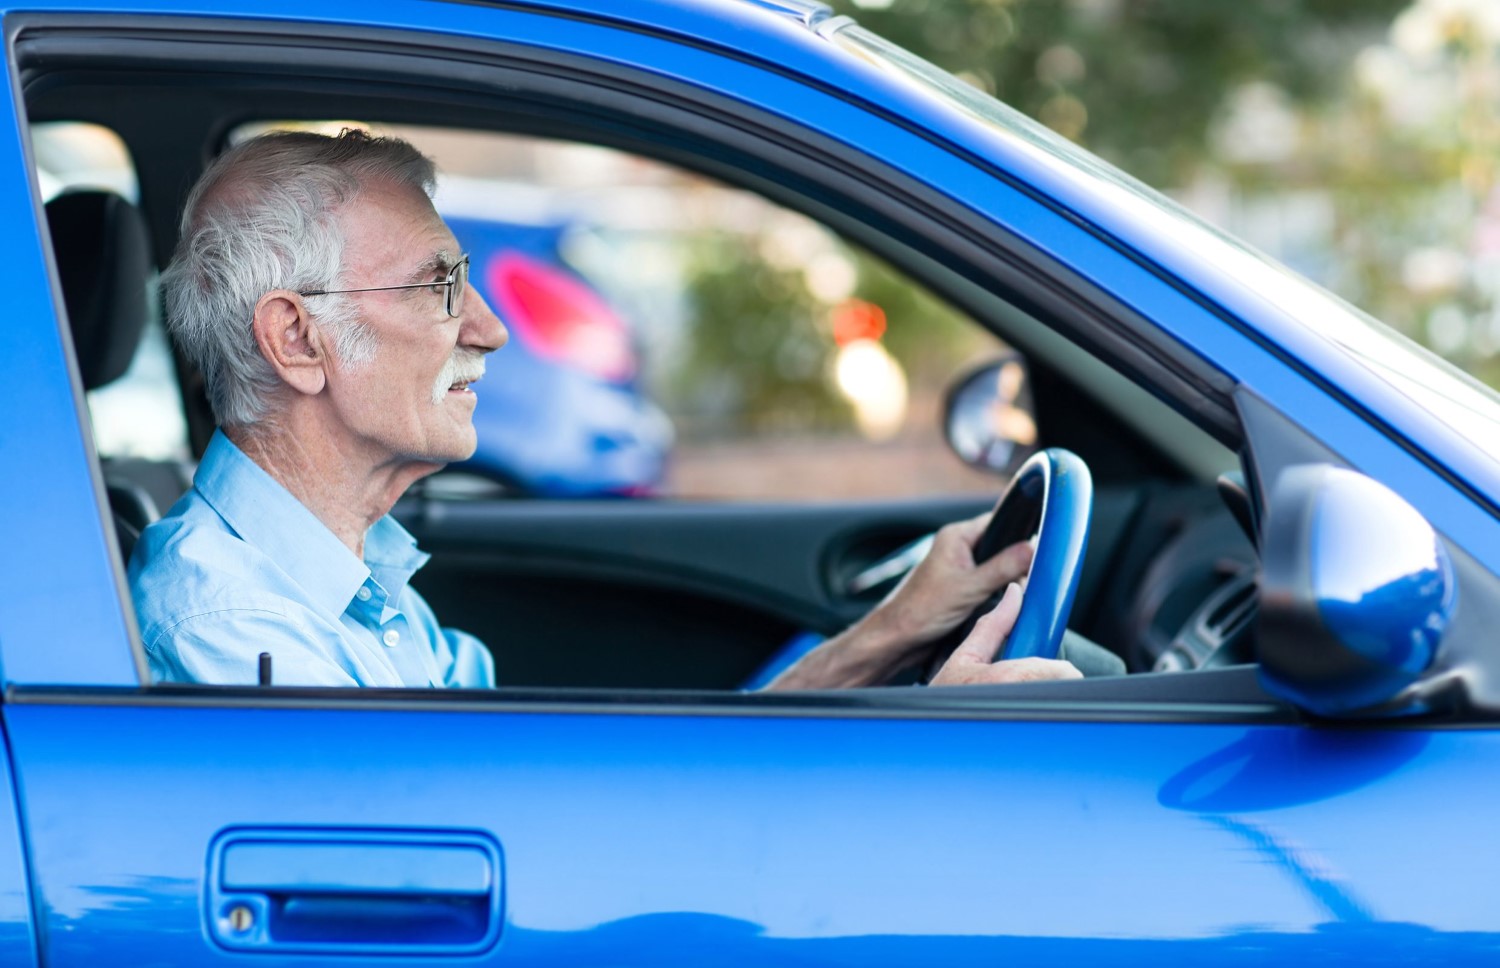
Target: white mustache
464, 366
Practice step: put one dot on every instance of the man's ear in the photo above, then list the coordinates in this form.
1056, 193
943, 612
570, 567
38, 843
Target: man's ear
290, 341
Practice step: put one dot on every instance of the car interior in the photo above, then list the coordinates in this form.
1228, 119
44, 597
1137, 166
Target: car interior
682, 596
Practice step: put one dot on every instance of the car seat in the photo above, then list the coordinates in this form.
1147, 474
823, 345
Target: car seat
104, 265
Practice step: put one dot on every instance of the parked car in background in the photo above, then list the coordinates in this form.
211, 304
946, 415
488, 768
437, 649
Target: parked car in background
1278, 515
565, 414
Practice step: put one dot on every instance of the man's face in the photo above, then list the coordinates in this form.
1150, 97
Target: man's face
393, 405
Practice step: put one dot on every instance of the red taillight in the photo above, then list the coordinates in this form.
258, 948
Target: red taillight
558, 317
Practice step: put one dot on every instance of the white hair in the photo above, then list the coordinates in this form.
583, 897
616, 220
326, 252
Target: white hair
264, 216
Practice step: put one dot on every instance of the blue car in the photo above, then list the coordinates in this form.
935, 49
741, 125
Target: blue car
1275, 515
565, 415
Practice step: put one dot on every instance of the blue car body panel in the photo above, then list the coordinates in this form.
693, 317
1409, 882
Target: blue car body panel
735, 834
41, 420
645, 839
17, 934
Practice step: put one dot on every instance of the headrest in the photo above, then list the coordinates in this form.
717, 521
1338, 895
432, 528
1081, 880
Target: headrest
103, 260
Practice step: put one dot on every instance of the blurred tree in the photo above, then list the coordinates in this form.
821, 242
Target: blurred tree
1356, 139
927, 336
1407, 158
756, 358
1138, 82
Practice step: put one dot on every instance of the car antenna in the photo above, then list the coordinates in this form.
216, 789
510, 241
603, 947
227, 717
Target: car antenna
265, 668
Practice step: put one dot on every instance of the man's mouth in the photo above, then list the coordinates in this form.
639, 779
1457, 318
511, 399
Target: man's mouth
463, 369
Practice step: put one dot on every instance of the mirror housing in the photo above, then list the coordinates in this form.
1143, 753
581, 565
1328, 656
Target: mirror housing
988, 416
1356, 591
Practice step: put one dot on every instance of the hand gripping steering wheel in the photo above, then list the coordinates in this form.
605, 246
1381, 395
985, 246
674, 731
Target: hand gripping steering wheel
1050, 497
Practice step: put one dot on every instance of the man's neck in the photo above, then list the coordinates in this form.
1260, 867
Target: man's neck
332, 479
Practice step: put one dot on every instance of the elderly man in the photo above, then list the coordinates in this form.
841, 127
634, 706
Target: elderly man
328, 308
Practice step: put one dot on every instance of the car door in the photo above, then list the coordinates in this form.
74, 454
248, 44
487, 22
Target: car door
1188, 818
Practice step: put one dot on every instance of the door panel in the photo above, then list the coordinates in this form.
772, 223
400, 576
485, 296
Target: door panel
627, 594
651, 594
724, 835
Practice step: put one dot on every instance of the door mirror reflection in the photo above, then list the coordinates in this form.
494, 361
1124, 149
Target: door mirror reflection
989, 417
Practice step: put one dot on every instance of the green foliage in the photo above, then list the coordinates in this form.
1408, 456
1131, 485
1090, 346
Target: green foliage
1138, 82
1405, 172
928, 337
1149, 85
758, 349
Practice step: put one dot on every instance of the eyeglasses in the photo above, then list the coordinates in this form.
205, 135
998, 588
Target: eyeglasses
457, 284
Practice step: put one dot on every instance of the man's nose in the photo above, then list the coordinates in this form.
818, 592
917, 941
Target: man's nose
481, 329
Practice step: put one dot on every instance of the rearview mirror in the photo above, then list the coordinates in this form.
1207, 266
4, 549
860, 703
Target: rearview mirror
1356, 592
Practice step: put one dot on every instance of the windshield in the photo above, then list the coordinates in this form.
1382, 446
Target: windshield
1465, 404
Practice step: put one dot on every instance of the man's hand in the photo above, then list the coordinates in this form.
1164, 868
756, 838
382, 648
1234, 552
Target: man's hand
931, 601
973, 662
946, 587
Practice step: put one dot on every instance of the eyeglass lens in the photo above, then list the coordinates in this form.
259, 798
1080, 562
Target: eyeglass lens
458, 288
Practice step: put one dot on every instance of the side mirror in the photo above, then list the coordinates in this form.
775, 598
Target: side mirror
1356, 591
988, 416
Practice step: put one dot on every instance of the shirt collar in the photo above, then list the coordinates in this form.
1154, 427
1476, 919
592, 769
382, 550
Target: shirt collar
392, 555
266, 514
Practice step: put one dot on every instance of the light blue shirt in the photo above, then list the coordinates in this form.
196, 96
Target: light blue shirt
239, 567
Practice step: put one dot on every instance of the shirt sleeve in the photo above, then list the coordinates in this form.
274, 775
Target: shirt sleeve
223, 648
461, 660
472, 666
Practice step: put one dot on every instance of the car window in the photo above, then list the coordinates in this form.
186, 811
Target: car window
139, 414
671, 336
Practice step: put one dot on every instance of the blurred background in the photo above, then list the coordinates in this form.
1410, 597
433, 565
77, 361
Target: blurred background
1355, 140
675, 336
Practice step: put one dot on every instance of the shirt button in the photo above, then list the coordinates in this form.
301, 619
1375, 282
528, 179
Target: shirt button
391, 637
363, 594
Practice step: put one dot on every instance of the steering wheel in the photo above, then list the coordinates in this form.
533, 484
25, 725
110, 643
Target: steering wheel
1050, 497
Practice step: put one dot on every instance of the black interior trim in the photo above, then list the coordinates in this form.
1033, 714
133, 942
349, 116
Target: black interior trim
679, 545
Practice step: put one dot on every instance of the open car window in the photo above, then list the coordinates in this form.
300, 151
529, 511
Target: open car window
682, 336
